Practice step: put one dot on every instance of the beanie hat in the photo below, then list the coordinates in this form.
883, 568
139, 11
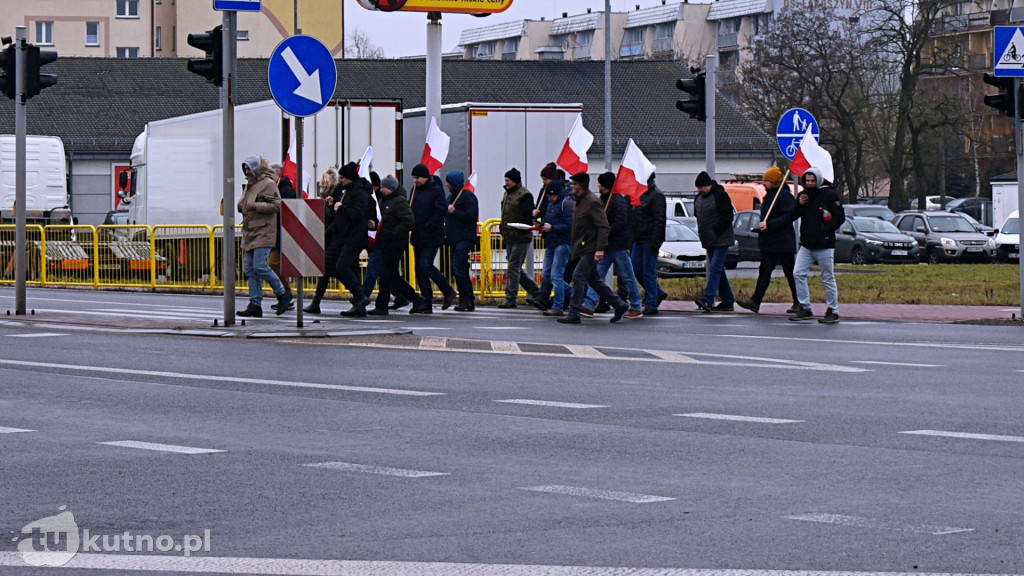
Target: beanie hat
457, 179
253, 162
390, 182
607, 180
703, 180
550, 171
374, 178
583, 178
349, 171
514, 176
420, 171
773, 175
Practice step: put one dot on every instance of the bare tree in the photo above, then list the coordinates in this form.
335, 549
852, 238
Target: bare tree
359, 45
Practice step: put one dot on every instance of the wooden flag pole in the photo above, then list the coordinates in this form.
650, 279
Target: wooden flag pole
776, 199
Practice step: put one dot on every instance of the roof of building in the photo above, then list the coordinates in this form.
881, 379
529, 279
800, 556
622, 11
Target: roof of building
102, 104
578, 23
723, 9
500, 31
655, 15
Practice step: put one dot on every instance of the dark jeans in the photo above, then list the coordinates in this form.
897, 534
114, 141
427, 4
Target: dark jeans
330, 271
769, 260
718, 282
460, 269
347, 267
426, 272
372, 273
516, 255
391, 281
585, 275
645, 267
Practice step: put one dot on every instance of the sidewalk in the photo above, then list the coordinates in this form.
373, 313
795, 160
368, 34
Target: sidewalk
892, 312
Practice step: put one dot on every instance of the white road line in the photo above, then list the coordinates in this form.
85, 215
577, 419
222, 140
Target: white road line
550, 404
135, 563
36, 335
213, 378
161, 447
505, 347
433, 343
859, 522
502, 328
895, 363
966, 435
134, 314
600, 494
584, 351
4, 430
350, 467
738, 418
940, 345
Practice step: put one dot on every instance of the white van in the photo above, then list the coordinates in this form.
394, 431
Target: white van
1008, 239
46, 180
678, 206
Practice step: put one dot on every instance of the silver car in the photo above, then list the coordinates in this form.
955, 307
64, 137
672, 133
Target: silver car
945, 237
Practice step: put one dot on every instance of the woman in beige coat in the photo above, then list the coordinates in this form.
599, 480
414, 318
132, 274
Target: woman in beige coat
259, 206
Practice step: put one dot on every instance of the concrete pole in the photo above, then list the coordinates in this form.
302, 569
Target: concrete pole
608, 85
710, 83
433, 96
20, 240
1020, 178
227, 106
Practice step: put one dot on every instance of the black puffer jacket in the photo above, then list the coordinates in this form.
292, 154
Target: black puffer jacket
350, 220
396, 221
649, 219
779, 237
815, 232
430, 208
714, 218
620, 235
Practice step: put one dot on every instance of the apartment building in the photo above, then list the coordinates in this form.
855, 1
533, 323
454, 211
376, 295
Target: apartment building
159, 28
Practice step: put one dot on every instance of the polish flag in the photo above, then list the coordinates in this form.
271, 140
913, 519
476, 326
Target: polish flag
634, 171
290, 170
436, 149
574, 153
363, 168
471, 183
812, 155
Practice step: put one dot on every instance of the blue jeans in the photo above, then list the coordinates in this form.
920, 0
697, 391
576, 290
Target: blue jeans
718, 282
426, 272
256, 271
555, 260
460, 269
645, 268
372, 273
825, 259
624, 268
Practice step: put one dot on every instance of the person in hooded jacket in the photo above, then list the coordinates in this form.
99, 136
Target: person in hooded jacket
430, 207
396, 222
820, 210
776, 240
714, 211
460, 234
260, 204
557, 230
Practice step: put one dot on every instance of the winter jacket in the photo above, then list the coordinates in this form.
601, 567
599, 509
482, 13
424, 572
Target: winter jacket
714, 218
779, 237
331, 237
649, 219
396, 222
516, 207
560, 215
350, 220
430, 208
620, 235
260, 205
815, 233
461, 224
589, 226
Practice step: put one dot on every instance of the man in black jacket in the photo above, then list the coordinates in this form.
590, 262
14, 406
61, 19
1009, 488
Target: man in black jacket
776, 240
430, 208
620, 241
713, 209
821, 213
351, 216
649, 222
396, 222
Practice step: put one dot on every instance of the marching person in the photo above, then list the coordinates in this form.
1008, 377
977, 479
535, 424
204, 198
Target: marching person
517, 208
589, 240
260, 204
821, 213
649, 222
351, 217
460, 234
713, 209
553, 184
430, 208
287, 192
330, 191
373, 261
396, 222
776, 240
557, 230
620, 240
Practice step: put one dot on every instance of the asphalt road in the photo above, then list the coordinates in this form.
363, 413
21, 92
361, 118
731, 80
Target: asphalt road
510, 444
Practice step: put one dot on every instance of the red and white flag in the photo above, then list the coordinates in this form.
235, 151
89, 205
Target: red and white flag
290, 170
812, 155
470, 184
634, 171
436, 149
363, 168
574, 153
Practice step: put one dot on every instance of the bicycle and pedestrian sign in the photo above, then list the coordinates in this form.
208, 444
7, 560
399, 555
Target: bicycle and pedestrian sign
791, 129
1009, 51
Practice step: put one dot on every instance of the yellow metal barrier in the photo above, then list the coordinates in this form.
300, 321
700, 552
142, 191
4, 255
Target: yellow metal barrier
186, 254
495, 265
8, 257
124, 257
68, 255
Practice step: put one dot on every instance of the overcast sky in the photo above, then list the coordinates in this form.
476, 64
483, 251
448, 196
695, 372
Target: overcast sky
405, 33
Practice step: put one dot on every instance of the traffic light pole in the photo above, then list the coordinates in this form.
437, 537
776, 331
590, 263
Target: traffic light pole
227, 105
1019, 131
20, 248
710, 81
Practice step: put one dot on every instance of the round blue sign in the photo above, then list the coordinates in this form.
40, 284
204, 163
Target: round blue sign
302, 75
791, 129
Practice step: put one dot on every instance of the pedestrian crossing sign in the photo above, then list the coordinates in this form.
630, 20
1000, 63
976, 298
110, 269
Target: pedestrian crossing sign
1009, 51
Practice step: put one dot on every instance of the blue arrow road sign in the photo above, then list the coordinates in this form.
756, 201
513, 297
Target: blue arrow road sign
302, 75
237, 5
1009, 51
791, 129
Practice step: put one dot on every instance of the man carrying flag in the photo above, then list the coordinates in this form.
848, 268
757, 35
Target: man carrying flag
821, 213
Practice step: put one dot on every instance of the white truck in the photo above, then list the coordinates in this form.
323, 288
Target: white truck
46, 181
1004, 200
491, 139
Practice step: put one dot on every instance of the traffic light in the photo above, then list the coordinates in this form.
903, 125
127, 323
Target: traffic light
211, 67
1003, 101
35, 81
8, 63
696, 106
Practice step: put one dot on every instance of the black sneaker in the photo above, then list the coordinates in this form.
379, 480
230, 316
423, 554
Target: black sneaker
661, 297
830, 317
290, 306
702, 304
313, 308
251, 311
748, 305
400, 302
537, 303
355, 312
507, 304
650, 311
722, 307
449, 300
573, 317
285, 302
619, 312
793, 309
378, 312
602, 307
803, 313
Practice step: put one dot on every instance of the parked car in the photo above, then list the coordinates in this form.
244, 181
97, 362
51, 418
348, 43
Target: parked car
975, 206
876, 200
986, 230
871, 241
869, 211
731, 259
935, 202
1008, 239
745, 226
945, 237
681, 254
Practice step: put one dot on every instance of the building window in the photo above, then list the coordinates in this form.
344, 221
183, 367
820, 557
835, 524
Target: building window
127, 52
632, 43
157, 44
127, 8
663, 37
174, 38
92, 33
242, 35
44, 33
584, 39
509, 50
485, 50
